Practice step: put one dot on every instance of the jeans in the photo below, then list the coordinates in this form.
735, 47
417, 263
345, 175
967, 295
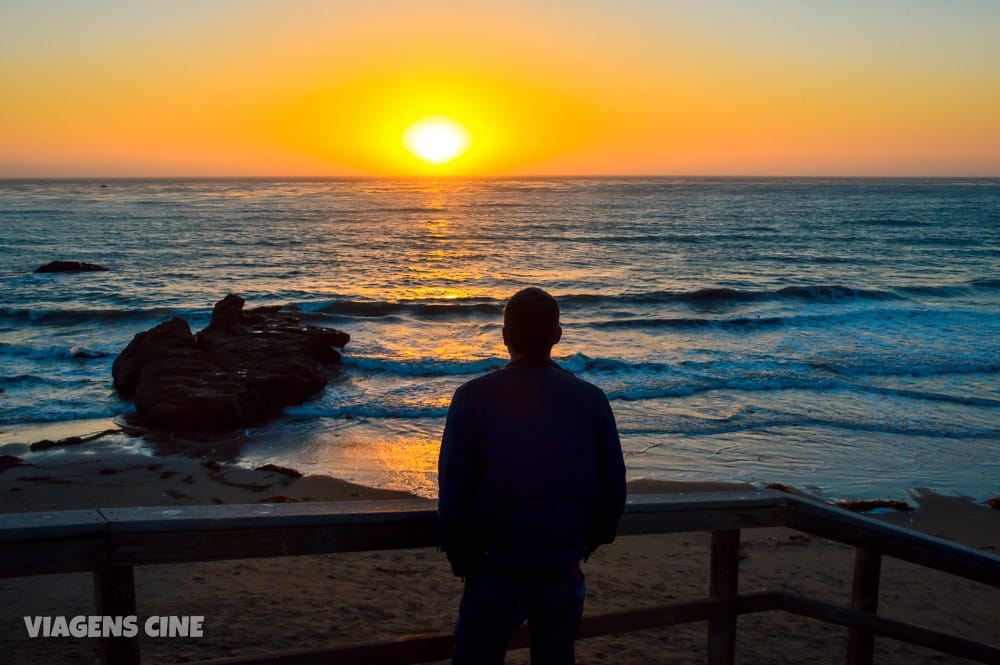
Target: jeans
495, 603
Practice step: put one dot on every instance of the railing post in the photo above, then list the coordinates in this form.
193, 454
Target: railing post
864, 597
724, 585
115, 590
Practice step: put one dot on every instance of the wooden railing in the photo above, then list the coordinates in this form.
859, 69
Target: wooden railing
111, 542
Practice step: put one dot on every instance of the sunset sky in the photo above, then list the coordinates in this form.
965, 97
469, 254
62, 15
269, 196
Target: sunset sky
542, 88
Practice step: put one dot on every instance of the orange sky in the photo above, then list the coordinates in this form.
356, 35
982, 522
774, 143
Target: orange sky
616, 88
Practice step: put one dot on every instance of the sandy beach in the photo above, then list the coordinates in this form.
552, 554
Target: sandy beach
298, 602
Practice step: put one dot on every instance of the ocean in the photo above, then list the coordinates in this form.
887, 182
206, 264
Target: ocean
839, 335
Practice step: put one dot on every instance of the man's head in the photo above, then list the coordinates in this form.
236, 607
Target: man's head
531, 324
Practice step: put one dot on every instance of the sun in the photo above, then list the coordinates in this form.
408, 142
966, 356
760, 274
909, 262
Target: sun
437, 139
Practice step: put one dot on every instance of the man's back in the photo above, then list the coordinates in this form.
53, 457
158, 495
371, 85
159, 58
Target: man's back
531, 479
531, 468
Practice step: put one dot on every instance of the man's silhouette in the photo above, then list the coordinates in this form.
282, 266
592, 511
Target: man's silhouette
531, 481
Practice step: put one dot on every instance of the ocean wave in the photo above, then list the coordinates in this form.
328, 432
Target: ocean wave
76, 352
704, 298
723, 295
680, 387
579, 363
404, 210
425, 367
684, 386
429, 367
940, 290
797, 259
576, 363
655, 297
880, 317
27, 380
696, 385
494, 204
930, 396
911, 369
371, 309
618, 239
948, 290
74, 316
740, 323
832, 293
315, 410
709, 428
901, 223
32, 212
671, 379
699, 298
64, 412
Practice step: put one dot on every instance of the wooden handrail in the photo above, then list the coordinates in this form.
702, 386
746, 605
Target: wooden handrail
837, 524
111, 541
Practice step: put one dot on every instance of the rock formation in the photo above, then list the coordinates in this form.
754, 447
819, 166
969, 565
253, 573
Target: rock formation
70, 266
244, 368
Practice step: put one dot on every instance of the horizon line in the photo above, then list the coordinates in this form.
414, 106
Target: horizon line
10, 178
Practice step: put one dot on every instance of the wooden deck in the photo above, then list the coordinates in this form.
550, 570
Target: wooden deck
111, 542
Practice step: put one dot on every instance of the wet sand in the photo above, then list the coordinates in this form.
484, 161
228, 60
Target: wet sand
74, 480
254, 606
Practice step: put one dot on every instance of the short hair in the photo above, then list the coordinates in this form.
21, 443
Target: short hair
531, 318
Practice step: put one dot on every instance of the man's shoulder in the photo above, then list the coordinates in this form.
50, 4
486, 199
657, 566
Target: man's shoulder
587, 388
494, 379
484, 379
480, 383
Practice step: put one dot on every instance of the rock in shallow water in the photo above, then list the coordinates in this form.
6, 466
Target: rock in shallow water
242, 369
70, 266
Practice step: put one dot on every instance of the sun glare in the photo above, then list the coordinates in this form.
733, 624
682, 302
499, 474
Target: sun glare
437, 139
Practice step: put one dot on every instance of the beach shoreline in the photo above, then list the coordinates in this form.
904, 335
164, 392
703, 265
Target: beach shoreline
108, 463
80, 479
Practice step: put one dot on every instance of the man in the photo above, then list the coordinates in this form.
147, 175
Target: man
531, 481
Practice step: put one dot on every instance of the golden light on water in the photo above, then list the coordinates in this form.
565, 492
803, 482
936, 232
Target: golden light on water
437, 139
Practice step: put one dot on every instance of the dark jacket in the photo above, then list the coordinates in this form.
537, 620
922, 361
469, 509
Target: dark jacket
531, 472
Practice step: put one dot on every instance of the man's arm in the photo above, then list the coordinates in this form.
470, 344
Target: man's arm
610, 499
457, 481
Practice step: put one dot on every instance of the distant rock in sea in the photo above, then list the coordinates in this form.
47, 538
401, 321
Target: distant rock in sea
244, 368
70, 266
9, 462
